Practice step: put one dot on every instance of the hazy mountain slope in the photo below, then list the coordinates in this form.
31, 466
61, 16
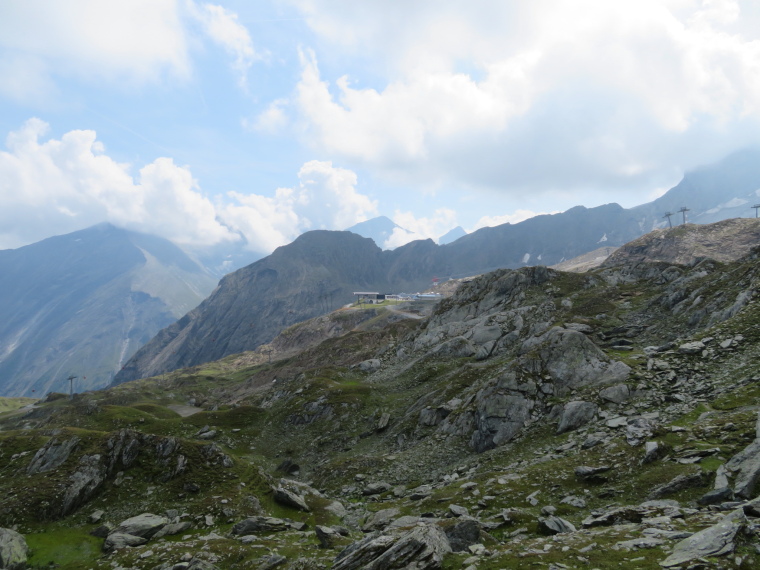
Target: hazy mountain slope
726, 189
275, 299
82, 303
319, 271
542, 240
378, 229
316, 273
452, 235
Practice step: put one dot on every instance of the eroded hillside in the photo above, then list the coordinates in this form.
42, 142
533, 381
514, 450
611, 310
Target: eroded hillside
536, 418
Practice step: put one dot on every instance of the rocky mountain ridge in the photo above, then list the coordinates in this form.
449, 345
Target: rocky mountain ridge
81, 304
601, 419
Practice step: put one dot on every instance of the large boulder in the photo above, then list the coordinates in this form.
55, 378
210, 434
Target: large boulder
259, 524
571, 359
463, 534
716, 540
746, 464
380, 519
52, 455
13, 550
554, 525
575, 415
421, 548
290, 499
144, 525
502, 409
118, 540
84, 483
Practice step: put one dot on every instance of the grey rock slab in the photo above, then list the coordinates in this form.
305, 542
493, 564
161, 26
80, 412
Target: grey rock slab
117, 540
463, 534
638, 430
336, 508
173, 528
678, 483
380, 519
716, 496
458, 511
574, 501
421, 548
421, 492
13, 550
746, 464
653, 450
554, 525
200, 564
640, 543
407, 521
51, 456
370, 365
259, 524
576, 414
144, 525
290, 499
592, 474
614, 516
695, 347
376, 488
617, 394
573, 360
326, 536
716, 540
83, 483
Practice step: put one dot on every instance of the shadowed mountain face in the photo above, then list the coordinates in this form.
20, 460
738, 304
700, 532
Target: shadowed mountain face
320, 270
82, 303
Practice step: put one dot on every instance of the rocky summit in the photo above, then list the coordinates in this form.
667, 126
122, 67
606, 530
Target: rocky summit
533, 418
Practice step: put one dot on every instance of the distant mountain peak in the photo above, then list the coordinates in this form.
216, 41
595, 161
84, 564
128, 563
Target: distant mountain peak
452, 235
379, 229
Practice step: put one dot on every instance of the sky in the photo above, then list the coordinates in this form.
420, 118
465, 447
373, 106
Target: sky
249, 122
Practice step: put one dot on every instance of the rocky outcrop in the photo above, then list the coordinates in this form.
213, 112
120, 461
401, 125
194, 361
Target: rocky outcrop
52, 455
717, 540
422, 548
13, 550
145, 525
572, 360
259, 524
575, 415
290, 499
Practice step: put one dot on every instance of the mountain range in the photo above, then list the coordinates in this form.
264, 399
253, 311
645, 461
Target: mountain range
120, 289
81, 304
534, 417
320, 270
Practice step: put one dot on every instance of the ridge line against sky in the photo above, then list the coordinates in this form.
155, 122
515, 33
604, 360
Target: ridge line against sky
250, 122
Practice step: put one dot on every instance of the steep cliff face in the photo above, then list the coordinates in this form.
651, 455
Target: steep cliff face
82, 303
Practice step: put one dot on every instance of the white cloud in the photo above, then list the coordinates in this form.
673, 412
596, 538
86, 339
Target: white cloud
123, 43
414, 228
61, 185
535, 95
223, 27
514, 218
326, 198
272, 120
58, 186
133, 41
